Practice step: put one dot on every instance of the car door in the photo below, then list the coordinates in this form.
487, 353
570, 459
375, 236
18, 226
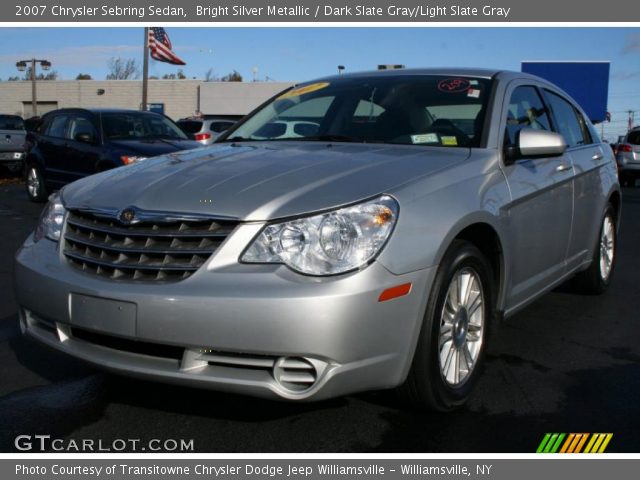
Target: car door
51, 144
588, 159
541, 207
82, 147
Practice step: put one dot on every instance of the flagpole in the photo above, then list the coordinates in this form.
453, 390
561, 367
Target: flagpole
145, 69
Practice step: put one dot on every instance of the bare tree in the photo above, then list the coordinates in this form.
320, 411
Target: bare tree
52, 75
174, 76
123, 69
232, 77
210, 76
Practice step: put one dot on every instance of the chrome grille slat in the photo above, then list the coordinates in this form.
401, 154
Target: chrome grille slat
137, 266
124, 231
151, 250
143, 249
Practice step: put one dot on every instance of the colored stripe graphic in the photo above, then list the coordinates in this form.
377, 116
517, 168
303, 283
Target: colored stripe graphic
543, 443
574, 443
581, 443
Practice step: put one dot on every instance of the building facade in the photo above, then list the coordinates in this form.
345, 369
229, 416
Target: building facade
180, 98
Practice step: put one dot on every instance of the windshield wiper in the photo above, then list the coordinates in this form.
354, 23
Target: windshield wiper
328, 138
238, 138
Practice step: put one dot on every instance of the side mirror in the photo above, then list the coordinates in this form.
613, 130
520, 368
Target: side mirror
84, 138
536, 143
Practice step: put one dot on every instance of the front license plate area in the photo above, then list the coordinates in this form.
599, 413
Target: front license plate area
103, 315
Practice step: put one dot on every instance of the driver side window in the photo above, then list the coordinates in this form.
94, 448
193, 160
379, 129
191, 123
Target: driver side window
80, 126
526, 110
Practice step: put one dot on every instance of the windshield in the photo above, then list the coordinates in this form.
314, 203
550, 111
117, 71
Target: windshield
132, 125
11, 122
401, 109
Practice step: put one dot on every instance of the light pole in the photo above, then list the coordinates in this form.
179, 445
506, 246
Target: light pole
21, 66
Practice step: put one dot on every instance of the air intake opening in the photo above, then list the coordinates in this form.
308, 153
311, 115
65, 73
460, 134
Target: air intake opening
295, 373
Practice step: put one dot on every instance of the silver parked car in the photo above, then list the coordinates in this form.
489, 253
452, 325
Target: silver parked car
628, 157
204, 130
12, 135
377, 252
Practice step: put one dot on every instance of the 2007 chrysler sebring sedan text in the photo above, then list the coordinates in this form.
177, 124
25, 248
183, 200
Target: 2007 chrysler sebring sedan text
357, 232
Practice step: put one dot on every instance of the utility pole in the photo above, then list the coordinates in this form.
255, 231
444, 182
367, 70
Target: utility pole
631, 120
21, 66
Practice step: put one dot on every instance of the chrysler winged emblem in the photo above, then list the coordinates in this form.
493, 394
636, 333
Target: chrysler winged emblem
127, 215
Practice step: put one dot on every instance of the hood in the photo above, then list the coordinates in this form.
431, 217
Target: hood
260, 181
152, 147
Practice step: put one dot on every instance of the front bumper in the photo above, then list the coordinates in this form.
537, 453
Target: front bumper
228, 327
11, 159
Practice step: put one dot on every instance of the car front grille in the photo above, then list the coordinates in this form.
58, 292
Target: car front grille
158, 249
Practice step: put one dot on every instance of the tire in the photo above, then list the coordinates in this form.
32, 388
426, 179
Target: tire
36, 188
434, 382
597, 277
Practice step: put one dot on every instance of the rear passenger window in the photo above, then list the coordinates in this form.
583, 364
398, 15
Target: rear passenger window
571, 126
526, 110
57, 126
219, 127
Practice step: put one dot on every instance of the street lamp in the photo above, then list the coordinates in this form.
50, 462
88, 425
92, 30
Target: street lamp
21, 65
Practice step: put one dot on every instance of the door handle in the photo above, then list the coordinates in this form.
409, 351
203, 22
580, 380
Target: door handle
563, 167
597, 156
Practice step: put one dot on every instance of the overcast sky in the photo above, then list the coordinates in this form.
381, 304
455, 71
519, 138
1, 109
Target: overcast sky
297, 54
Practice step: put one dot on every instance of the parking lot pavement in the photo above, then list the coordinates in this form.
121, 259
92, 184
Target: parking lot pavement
568, 363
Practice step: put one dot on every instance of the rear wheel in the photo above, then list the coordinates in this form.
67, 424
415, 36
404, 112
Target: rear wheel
450, 352
36, 188
597, 277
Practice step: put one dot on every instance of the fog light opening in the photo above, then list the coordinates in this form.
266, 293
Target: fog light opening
295, 374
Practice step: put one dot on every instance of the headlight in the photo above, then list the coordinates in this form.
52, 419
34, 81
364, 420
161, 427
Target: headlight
51, 219
328, 243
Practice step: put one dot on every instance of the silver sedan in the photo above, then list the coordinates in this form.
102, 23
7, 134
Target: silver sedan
376, 250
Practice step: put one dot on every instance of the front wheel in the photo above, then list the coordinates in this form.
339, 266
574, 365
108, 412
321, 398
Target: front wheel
36, 188
597, 277
450, 351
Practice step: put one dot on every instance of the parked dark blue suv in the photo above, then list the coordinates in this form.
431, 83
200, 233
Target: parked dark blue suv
72, 143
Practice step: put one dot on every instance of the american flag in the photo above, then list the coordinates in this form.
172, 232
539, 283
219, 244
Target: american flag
160, 47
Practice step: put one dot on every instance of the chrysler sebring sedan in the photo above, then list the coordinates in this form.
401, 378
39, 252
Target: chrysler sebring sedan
376, 251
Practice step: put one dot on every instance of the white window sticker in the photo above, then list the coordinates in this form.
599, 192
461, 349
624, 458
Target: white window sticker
425, 138
474, 93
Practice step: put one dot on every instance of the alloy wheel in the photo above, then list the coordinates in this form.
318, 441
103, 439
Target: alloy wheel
461, 327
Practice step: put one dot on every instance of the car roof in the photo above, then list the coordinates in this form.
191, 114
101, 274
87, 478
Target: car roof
440, 71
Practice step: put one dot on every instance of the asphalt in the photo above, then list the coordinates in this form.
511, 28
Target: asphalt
567, 363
